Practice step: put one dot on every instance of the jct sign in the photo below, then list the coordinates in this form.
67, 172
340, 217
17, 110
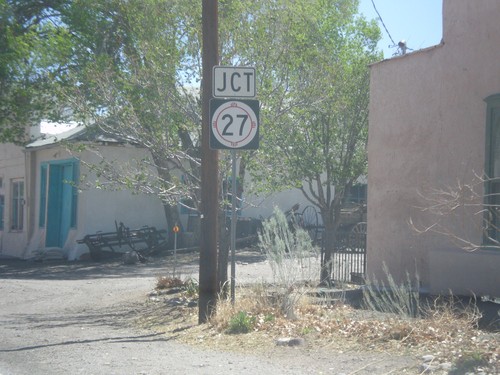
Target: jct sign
233, 82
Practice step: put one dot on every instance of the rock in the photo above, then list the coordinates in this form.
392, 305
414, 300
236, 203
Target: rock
130, 257
173, 290
175, 302
428, 369
428, 358
447, 366
290, 341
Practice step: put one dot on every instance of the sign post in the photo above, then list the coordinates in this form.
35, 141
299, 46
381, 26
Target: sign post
234, 125
234, 219
175, 229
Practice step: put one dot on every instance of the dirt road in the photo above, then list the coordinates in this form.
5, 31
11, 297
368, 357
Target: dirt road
72, 318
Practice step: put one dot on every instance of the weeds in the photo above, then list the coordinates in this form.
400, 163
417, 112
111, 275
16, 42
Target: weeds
293, 259
400, 299
166, 282
192, 288
189, 286
242, 322
445, 328
469, 362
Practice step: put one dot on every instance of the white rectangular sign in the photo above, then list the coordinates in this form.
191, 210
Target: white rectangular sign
233, 82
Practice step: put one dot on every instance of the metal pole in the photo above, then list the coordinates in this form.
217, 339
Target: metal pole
175, 249
233, 226
209, 170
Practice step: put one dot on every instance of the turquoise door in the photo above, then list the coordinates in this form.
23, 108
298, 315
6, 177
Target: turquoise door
59, 204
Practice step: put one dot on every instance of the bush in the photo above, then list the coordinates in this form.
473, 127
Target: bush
292, 256
241, 323
166, 282
401, 299
290, 251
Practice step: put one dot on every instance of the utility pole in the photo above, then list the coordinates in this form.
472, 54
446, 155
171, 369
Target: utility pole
209, 168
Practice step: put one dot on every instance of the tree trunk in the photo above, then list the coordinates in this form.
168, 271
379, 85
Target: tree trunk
331, 223
330, 237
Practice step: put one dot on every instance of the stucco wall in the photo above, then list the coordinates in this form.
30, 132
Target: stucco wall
263, 206
427, 131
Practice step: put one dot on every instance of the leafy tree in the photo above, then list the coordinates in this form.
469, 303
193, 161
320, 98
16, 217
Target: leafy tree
132, 62
120, 65
31, 47
312, 65
133, 69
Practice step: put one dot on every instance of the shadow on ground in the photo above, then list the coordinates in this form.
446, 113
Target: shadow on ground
112, 267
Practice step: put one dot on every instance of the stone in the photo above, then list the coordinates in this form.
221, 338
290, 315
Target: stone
428, 369
447, 366
428, 358
290, 341
130, 257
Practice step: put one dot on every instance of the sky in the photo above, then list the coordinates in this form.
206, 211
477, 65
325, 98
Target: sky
419, 22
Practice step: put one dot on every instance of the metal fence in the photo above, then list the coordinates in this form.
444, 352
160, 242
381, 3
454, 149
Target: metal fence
348, 262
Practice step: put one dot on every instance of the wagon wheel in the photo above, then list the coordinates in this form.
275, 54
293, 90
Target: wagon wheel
359, 228
293, 217
310, 222
357, 237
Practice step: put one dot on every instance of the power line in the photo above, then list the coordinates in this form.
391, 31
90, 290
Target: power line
383, 24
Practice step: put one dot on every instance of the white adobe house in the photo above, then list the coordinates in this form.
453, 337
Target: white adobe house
434, 125
42, 207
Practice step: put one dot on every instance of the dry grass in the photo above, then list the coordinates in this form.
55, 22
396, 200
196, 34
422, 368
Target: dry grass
166, 282
443, 331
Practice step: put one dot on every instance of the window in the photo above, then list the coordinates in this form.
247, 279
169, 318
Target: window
17, 208
2, 205
357, 194
492, 168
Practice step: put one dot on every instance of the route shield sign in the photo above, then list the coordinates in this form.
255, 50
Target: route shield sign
234, 124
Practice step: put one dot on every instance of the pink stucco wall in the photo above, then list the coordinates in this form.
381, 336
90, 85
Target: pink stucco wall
427, 131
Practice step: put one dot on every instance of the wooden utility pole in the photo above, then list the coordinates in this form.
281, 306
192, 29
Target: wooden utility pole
209, 168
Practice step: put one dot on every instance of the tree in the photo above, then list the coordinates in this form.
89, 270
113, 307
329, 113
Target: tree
132, 68
466, 214
312, 65
129, 75
31, 47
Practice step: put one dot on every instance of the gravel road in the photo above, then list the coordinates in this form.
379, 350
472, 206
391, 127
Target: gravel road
75, 318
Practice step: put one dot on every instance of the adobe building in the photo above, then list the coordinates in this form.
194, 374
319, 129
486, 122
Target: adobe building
434, 126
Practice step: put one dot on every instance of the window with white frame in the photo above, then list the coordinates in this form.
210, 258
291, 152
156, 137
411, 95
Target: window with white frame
17, 205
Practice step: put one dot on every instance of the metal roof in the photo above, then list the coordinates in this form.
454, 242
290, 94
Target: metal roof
79, 133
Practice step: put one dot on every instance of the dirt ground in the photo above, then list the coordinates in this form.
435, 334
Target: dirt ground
95, 318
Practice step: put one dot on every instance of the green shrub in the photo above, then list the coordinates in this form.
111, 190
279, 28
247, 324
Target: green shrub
468, 363
293, 258
241, 323
401, 299
191, 287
